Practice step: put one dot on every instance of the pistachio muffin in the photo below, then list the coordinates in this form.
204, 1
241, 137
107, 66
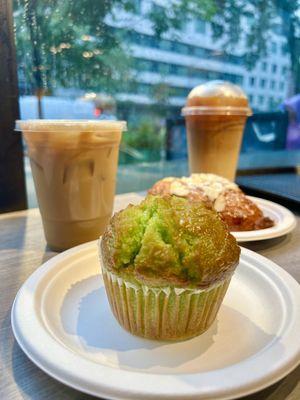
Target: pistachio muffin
167, 264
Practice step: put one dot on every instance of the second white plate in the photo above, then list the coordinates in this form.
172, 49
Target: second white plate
62, 321
284, 219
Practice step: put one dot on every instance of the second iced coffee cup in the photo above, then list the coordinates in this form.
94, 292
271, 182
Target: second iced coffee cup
215, 115
74, 166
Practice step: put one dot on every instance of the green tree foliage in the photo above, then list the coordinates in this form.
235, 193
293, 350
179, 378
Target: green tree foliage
70, 43
251, 22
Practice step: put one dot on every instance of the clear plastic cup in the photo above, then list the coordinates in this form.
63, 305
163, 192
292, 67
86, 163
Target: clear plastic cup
215, 115
74, 166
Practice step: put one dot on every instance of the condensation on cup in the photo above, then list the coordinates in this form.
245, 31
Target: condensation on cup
74, 166
215, 115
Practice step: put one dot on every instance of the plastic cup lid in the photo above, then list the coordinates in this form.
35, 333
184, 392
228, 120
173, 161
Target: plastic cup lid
217, 98
53, 125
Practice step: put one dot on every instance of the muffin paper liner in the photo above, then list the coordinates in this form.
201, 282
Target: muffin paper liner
163, 313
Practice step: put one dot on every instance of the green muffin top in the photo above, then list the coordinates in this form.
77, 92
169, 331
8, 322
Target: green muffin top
169, 241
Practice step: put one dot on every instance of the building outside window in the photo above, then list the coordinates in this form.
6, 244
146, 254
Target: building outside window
200, 26
273, 47
165, 45
262, 83
264, 66
272, 84
139, 56
252, 81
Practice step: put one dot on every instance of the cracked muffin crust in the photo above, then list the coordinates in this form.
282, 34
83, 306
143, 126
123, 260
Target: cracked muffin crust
169, 240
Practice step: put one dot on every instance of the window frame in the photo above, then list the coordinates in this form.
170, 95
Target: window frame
12, 175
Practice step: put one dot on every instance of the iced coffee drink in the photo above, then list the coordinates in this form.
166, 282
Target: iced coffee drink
215, 115
74, 166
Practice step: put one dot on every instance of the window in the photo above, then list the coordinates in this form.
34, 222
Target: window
179, 92
165, 45
262, 83
137, 5
181, 70
199, 52
143, 40
214, 75
181, 48
252, 81
239, 80
200, 26
163, 68
284, 49
144, 89
273, 47
264, 66
145, 65
113, 51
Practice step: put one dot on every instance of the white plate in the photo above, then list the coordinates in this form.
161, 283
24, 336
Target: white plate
62, 321
284, 219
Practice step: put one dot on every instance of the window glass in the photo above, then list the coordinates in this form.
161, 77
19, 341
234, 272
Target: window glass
137, 60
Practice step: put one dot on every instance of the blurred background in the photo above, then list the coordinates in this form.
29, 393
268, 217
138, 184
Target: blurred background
137, 60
